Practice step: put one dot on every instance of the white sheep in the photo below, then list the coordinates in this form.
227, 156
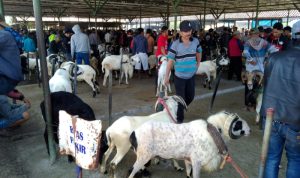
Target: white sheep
191, 142
86, 73
161, 77
60, 81
94, 63
54, 60
113, 62
209, 68
118, 133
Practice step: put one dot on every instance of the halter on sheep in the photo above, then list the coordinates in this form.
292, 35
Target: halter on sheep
118, 133
191, 142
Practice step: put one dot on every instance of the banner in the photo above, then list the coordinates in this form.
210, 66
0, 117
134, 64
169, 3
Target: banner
80, 138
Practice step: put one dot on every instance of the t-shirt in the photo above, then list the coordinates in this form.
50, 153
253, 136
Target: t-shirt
161, 42
185, 58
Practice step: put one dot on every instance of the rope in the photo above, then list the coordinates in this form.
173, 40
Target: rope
162, 101
229, 159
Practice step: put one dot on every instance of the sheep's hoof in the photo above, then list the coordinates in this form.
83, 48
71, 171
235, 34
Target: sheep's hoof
146, 173
179, 169
94, 94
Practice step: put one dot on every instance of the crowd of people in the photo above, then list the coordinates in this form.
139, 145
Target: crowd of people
249, 49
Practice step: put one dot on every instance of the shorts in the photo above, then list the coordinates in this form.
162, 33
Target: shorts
144, 62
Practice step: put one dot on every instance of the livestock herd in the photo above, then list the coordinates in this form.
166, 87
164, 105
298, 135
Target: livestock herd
152, 136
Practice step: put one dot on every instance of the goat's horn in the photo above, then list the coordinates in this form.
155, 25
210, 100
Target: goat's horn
155, 107
180, 100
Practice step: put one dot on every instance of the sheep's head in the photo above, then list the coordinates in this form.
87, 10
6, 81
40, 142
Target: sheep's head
223, 61
254, 78
135, 59
163, 58
172, 103
230, 125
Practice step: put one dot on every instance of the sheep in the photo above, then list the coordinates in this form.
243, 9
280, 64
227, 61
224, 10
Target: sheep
87, 74
162, 75
70, 103
113, 62
152, 62
94, 63
54, 61
192, 142
60, 81
209, 68
254, 81
118, 133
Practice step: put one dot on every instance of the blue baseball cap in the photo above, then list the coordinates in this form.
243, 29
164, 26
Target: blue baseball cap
185, 26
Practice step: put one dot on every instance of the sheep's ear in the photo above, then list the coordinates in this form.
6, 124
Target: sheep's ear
238, 126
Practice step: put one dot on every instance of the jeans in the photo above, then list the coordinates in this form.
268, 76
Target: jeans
283, 136
10, 113
83, 56
186, 89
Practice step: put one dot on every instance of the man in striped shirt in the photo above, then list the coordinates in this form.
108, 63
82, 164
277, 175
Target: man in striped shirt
185, 55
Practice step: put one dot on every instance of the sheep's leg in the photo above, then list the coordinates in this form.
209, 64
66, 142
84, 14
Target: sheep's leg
91, 84
105, 77
176, 165
121, 78
196, 165
142, 159
188, 168
169, 86
116, 74
126, 77
106, 156
258, 106
121, 152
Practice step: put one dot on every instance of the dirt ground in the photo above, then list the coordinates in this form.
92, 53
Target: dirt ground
23, 152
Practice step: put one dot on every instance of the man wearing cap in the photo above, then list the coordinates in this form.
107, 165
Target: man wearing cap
281, 92
185, 55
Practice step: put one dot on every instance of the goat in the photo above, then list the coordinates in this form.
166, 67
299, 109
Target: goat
191, 142
94, 63
254, 96
87, 74
60, 81
118, 133
70, 103
113, 62
152, 62
162, 75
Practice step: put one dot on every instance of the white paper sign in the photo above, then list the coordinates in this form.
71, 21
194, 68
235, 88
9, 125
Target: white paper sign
80, 138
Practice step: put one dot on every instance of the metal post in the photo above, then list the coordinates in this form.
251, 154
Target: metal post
109, 97
266, 139
42, 55
140, 16
2, 14
204, 18
168, 14
257, 9
288, 18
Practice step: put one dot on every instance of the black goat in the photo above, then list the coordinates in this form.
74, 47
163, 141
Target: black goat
70, 103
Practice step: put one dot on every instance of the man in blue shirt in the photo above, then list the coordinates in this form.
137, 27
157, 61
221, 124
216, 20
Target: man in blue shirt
185, 53
10, 62
140, 47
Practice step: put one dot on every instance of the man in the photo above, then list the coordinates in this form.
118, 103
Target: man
66, 43
107, 37
12, 115
162, 42
150, 41
56, 45
277, 38
10, 65
80, 46
140, 47
235, 49
185, 55
281, 92
255, 50
93, 38
287, 32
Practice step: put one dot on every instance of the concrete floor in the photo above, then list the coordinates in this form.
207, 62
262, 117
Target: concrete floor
23, 152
